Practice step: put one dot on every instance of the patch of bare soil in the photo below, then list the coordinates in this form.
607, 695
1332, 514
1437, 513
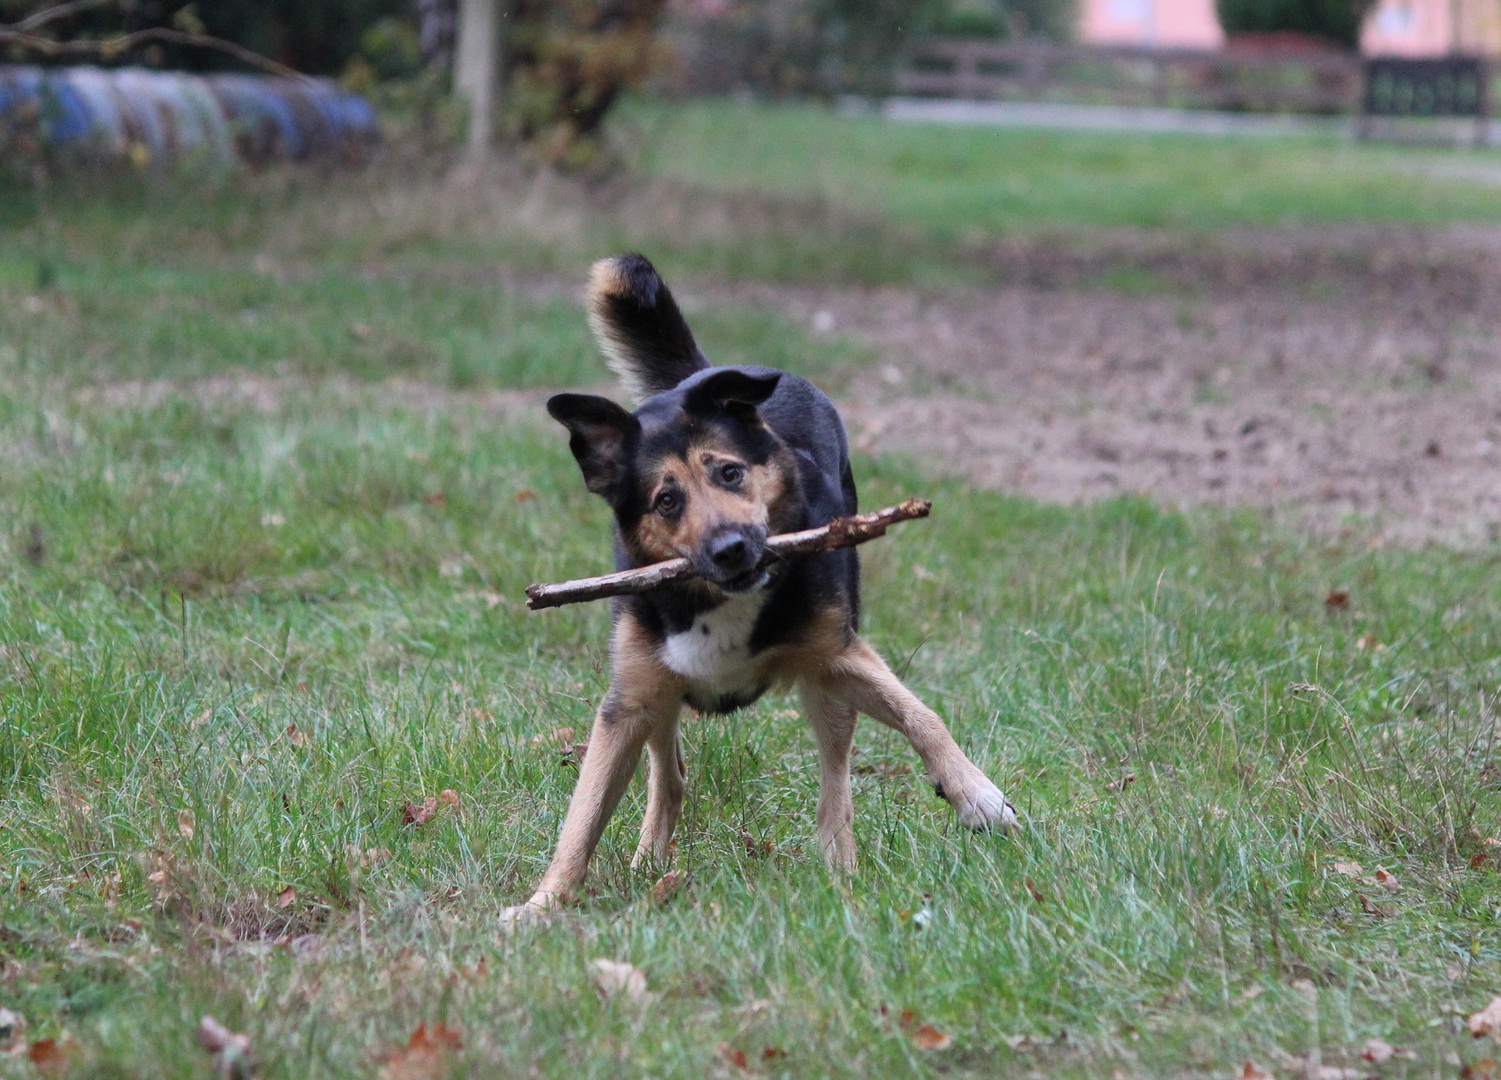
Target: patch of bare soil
1329, 377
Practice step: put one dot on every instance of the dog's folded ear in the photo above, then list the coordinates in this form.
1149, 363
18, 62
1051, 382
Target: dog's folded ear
601, 436
732, 390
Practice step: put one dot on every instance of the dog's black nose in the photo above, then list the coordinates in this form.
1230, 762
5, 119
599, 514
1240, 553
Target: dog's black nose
729, 552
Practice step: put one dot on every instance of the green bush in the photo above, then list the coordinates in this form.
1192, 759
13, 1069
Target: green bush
1337, 21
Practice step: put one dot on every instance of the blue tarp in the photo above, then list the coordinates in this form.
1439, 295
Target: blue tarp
161, 117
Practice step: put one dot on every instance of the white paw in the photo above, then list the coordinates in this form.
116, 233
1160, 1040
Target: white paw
534, 912
985, 807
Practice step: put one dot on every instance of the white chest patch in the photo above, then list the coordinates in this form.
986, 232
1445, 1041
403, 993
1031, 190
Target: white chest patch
714, 653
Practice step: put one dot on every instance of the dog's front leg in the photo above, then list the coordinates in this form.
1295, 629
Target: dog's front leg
664, 800
622, 726
833, 723
861, 677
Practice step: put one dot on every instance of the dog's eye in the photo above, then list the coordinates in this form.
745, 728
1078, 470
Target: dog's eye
666, 502
732, 474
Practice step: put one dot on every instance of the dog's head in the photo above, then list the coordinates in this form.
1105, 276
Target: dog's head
694, 472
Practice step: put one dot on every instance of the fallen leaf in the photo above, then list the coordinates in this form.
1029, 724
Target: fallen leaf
929, 1037
908, 1020
185, 823
524, 495
230, 1049
286, 898
756, 849
1387, 881
733, 1056
771, 1053
300, 739
1037, 894
415, 814
1376, 1051
668, 886
562, 736
448, 797
1252, 1071
1337, 600
1370, 908
1486, 1020
1349, 869
613, 977
1483, 1069
52, 1057
426, 1056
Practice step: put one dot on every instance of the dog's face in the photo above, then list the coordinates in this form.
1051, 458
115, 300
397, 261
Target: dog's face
694, 473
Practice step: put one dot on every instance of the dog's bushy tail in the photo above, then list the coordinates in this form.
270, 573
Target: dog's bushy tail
639, 326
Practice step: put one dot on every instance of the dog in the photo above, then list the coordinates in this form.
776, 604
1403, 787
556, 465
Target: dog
712, 462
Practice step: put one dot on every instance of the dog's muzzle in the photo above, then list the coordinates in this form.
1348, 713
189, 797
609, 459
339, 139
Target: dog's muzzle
731, 558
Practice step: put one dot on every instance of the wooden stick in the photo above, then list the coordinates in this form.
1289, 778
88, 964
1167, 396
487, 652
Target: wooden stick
840, 533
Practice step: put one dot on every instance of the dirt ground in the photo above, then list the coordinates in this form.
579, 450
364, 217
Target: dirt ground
1343, 379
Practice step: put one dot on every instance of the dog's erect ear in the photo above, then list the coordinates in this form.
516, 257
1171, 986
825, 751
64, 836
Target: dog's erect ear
733, 391
602, 435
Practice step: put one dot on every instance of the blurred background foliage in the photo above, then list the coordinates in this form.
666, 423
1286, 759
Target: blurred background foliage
1335, 21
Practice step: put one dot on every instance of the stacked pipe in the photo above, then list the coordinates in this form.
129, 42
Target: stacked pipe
157, 118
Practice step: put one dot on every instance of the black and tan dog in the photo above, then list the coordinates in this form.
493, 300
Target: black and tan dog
712, 462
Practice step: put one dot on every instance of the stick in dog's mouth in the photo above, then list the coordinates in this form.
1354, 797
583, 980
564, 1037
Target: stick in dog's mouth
840, 533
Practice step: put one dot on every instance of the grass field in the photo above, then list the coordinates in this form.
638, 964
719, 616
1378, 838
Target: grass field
266, 526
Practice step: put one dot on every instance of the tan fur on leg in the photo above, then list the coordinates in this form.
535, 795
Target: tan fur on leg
833, 723
643, 698
862, 678
664, 750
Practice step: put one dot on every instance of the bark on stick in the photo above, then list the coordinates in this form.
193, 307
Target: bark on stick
839, 533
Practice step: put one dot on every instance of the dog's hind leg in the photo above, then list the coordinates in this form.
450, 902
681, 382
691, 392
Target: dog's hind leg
861, 677
664, 748
833, 722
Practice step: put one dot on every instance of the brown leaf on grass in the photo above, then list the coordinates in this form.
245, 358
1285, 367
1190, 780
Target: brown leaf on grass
53, 1057
231, 1050
612, 977
186, 823
419, 814
908, 1020
524, 495
426, 1056
735, 1057
1252, 1071
756, 849
1372, 909
1487, 1020
300, 739
1337, 600
667, 886
286, 898
1387, 880
930, 1038
1377, 1051
562, 736
1349, 869
1037, 894
771, 1053
448, 797
1481, 1069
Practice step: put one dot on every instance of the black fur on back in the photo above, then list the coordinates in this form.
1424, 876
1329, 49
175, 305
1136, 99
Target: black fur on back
639, 327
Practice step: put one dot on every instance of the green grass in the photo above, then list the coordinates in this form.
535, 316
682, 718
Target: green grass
188, 581
264, 529
956, 182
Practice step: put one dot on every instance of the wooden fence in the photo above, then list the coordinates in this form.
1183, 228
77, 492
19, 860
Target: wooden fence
1261, 81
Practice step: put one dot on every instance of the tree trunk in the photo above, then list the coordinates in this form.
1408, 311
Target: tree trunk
475, 73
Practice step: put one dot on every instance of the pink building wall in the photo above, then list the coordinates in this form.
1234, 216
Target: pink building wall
1394, 28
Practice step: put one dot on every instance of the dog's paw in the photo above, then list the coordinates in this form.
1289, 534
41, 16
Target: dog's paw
535, 912
984, 807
